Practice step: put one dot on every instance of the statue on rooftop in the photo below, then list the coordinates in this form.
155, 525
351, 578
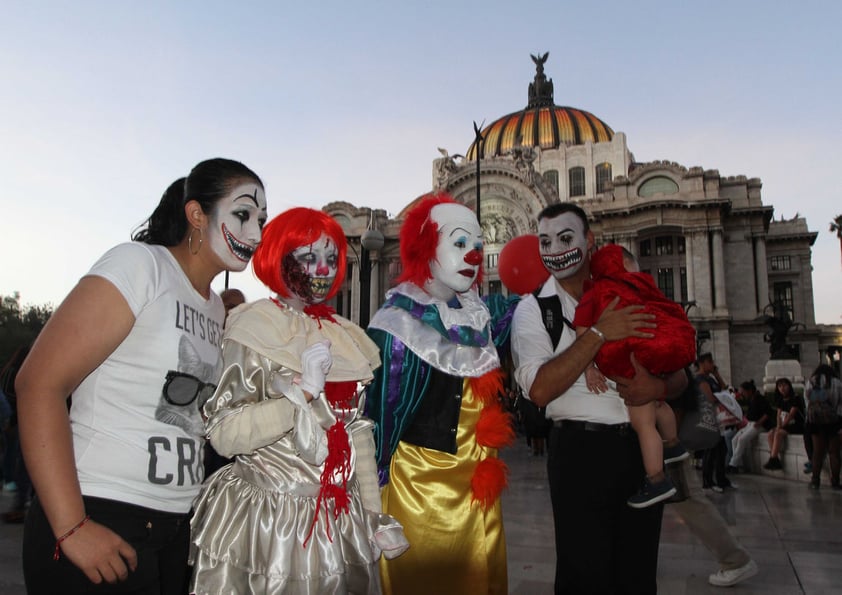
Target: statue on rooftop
539, 61
541, 89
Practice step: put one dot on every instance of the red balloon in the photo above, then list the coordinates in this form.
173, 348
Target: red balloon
520, 266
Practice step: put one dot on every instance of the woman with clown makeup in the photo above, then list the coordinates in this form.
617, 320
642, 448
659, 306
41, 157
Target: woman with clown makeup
137, 344
438, 419
298, 511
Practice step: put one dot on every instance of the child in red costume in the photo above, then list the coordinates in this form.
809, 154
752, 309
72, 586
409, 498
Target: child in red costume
614, 273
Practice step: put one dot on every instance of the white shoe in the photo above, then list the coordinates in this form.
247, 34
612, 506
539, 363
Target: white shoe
728, 578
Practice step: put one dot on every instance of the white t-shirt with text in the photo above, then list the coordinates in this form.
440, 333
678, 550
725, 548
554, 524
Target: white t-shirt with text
131, 445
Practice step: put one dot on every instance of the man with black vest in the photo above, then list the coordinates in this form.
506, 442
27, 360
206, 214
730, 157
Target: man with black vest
594, 462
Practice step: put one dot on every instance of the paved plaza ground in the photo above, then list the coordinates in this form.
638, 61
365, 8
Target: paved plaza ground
794, 534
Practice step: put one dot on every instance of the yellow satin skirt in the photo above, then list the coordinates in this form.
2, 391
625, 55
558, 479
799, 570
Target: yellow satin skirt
455, 546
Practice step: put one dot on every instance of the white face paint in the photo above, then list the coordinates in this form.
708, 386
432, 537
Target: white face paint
563, 243
236, 225
319, 262
459, 251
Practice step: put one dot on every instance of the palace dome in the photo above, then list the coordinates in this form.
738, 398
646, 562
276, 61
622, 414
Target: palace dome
541, 124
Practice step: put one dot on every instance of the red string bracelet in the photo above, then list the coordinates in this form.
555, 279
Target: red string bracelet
72, 530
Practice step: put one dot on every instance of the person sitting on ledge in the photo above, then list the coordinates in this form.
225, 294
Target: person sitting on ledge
790, 415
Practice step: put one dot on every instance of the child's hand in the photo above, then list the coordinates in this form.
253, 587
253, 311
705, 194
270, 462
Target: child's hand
595, 380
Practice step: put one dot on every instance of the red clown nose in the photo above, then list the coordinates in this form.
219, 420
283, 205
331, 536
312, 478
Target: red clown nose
474, 257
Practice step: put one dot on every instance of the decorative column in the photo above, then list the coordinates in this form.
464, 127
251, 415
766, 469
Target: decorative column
718, 271
371, 241
761, 274
356, 284
374, 294
690, 267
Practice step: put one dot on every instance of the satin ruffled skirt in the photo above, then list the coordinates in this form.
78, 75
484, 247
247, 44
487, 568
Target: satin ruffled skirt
249, 538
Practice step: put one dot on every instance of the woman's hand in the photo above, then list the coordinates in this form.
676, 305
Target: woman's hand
100, 553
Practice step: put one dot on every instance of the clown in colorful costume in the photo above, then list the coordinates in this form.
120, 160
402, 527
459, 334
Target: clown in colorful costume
298, 511
438, 420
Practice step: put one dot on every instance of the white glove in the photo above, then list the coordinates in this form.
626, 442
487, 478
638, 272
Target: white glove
389, 539
315, 364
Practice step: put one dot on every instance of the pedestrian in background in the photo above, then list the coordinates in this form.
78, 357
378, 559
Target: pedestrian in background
18, 477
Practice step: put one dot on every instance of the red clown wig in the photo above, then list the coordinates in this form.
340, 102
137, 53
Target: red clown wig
290, 230
419, 239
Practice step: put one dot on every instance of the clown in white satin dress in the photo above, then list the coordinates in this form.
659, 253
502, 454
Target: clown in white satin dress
298, 511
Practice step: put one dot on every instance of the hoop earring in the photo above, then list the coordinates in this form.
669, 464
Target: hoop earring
190, 240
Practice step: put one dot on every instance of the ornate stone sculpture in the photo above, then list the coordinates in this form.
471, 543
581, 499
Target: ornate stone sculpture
776, 317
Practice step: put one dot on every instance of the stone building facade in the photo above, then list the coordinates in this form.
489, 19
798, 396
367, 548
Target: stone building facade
709, 241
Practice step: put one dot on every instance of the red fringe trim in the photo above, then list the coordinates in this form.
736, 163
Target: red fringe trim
494, 428
488, 387
338, 462
489, 479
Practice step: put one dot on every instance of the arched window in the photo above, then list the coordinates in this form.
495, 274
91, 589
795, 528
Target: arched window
657, 185
577, 181
603, 176
551, 178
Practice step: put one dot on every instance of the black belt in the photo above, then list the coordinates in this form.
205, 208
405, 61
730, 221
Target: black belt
592, 426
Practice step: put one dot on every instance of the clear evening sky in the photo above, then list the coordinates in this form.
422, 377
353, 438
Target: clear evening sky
103, 104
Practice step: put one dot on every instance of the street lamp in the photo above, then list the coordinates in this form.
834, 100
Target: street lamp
478, 144
372, 240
